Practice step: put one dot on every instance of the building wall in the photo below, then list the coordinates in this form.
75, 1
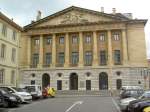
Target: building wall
6, 63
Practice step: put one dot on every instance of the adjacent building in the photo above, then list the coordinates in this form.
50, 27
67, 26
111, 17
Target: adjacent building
10, 34
81, 49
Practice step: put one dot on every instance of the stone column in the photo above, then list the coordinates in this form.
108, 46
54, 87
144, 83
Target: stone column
29, 55
66, 50
81, 62
95, 51
110, 55
124, 43
110, 61
40, 65
54, 50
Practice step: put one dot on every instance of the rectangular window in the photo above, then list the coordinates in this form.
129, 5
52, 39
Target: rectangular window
61, 40
4, 30
12, 77
61, 58
116, 36
36, 41
102, 37
117, 57
49, 40
35, 59
103, 58
88, 39
14, 35
74, 39
2, 72
88, 58
75, 58
48, 60
13, 57
3, 50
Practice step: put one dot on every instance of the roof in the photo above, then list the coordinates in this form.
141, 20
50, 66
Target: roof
9, 21
117, 16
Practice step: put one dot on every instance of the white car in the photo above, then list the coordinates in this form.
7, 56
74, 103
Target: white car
25, 96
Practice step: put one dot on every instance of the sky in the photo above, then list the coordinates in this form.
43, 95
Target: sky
24, 11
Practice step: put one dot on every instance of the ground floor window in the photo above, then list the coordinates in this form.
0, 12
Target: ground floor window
2, 72
12, 77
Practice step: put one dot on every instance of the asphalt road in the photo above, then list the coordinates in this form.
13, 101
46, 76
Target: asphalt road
71, 104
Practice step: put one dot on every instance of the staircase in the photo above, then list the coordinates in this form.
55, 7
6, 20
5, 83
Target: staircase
102, 93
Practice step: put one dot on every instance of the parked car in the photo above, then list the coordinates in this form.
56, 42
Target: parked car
34, 90
130, 95
25, 96
139, 104
9, 99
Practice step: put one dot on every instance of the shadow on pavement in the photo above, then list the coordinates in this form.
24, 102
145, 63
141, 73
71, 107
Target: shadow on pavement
3, 110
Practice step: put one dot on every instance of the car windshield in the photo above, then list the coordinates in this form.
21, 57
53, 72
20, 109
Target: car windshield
30, 88
19, 89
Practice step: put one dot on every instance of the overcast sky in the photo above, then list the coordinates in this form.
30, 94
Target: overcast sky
23, 11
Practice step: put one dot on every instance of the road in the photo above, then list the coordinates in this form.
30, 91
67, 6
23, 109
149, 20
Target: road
71, 104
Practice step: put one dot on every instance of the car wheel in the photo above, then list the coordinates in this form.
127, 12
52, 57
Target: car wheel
6, 104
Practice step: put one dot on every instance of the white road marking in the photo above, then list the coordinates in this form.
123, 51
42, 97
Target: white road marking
116, 105
75, 103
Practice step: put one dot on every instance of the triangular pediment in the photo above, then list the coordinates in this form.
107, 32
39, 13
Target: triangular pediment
75, 15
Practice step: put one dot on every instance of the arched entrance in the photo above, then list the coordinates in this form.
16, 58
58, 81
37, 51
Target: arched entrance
73, 81
103, 81
45, 80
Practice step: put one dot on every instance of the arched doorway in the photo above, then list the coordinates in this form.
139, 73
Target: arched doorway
103, 81
45, 80
73, 81
118, 83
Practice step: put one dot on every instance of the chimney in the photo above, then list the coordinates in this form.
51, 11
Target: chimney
38, 17
102, 9
114, 10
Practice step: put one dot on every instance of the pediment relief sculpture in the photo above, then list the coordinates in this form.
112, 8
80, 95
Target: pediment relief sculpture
73, 18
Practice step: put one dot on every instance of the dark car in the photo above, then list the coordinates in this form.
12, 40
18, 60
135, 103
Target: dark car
139, 104
8, 99
131, 93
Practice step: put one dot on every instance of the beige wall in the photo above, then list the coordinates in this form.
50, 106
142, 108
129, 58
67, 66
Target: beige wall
6, 63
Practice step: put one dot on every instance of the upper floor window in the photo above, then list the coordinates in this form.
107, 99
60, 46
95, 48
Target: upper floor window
88, 39
13, 58
14, 35
61, 58
102, 37
88, 58
61, 40
12, 77
4, 30
117, 57
116, 36
49, 40
36, 41
2, 72
103, 58
74, 39
3, 50
48, 58
35, 59
75, 58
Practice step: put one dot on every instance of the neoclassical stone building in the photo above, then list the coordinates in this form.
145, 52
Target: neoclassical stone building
81, 49
10, 34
